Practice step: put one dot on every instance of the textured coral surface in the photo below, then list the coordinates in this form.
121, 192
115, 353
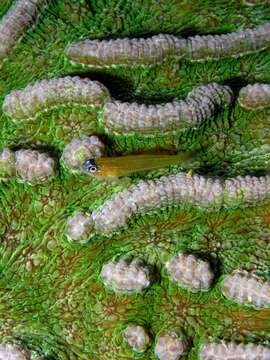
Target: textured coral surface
53, 302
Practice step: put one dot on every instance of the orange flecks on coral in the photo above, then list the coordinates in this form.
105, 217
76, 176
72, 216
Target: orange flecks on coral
265, 216
252, 321
112, 309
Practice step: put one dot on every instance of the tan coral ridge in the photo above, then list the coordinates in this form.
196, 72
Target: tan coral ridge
231, 350
199, 106
27, 166
153, 50
19, 18
115, 116
52, 93
255, 97
80, 149
189, 272
247, 289
172, 190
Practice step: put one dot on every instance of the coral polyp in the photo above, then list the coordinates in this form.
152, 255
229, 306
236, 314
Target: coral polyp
124, 51
199, 106
236, 44
34, 167
231, 350
26, 165
137, 338
46, 94
16, 22
173, 190
155, 49
189, 272
79, 228
246, 289
126, 276
80, 149
169, 346
13, 352
255, 97
7, 163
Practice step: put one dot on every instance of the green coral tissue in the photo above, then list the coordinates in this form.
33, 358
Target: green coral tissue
134, 179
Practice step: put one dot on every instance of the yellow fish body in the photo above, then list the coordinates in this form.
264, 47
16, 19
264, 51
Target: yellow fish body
131, 164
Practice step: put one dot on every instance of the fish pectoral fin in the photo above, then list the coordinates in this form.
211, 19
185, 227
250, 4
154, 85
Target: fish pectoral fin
190, 173
114, 180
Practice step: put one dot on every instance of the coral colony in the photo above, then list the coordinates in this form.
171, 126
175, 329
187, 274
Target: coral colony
124, 277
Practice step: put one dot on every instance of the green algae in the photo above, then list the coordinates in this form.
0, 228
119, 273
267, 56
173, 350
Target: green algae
51, 297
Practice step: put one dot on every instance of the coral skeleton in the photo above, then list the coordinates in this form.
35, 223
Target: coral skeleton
152, 50
78, 150
132, 118
255, 97
246, 289
233, 351
189, 272
19, 18
137, 338
124, 276
51, 93
12, 352
169, 346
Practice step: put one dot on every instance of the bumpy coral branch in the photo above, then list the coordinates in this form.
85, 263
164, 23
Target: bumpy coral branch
235, 44
80, 228
7, 163
125, 276
78, 150
246, 289
189, 272
169, 346
154, 49
26, 165
47, 94
255, 97
173, 190
16, 22
132, 118
231, 350
13, 352
124, 51
137, 338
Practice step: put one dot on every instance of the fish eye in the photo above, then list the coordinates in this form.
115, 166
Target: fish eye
90, 166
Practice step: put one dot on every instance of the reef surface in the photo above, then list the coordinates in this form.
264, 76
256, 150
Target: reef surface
54, 301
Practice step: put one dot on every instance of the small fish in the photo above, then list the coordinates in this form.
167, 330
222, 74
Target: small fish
127, 165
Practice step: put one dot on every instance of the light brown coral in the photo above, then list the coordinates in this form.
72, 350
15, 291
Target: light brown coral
81, 149
34, 167
7, 163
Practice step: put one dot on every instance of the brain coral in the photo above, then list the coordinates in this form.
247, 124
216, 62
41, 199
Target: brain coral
56, 236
